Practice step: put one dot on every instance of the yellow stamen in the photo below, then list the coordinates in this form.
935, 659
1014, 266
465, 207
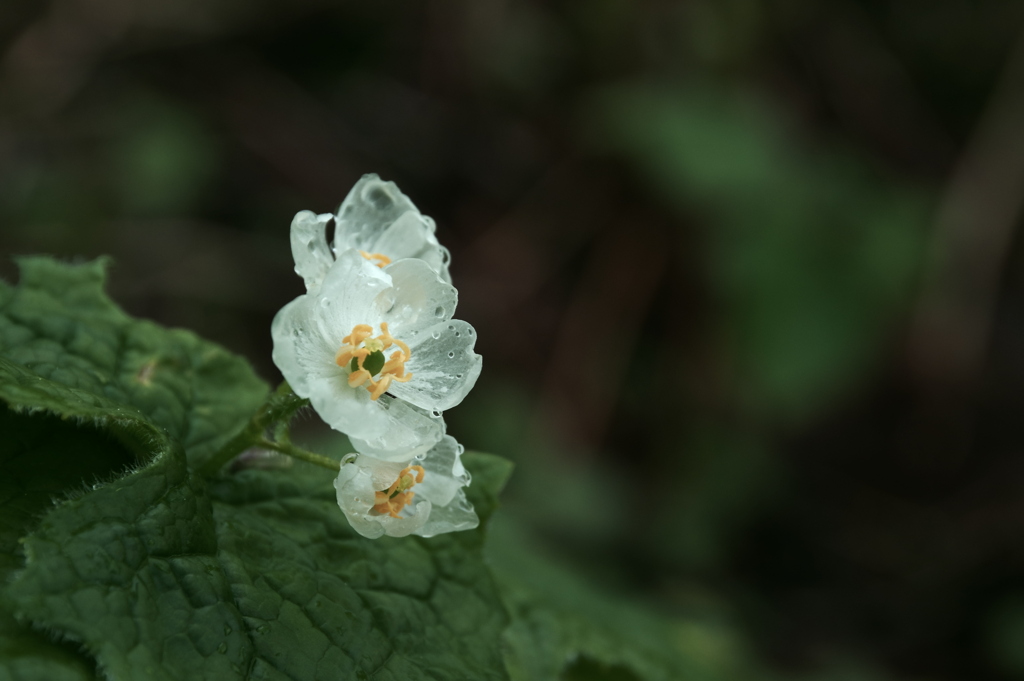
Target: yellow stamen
378, 259
351, 342
380, 387
395, 367
385, 337
397, 497
359, 345
357, 378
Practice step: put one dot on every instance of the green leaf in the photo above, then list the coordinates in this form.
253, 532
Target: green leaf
59, 323
258, 577
490, 474
142, 532
42, 458
27, 655
562, 628
157, 573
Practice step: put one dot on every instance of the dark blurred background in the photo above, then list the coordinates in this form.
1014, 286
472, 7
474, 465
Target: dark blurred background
746, 273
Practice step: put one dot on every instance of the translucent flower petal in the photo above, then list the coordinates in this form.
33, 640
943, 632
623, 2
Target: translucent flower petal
444, 366
313, 256
308, 331
444, 486
438, 506
417, 306
378, 218
382, 473
412, 236
455, 517
355, 487
419, 300
307, 334
409, 431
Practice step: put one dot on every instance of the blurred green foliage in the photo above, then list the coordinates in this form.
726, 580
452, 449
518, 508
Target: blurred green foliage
1005, 631
691, 234
163, 158
811, 252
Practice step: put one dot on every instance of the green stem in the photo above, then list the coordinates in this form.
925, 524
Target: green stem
233, 448
301, 454
278, 408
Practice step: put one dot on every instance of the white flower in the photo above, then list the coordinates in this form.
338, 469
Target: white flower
424, 497
378, 354
377, 220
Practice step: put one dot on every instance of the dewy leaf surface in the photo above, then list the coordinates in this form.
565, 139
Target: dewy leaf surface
321, 602
561, 625
59, 323
42, 458
159, 574
34, 469
102, 568
266, 582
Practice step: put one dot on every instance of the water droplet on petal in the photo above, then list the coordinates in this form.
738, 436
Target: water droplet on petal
457, 334
438, 311
451, 355
435, 414
435, 335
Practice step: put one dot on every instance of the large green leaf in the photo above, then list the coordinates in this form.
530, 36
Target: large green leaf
27, 655
564, 629
321, 602
115, 547
59, 323
42, 458
262, 578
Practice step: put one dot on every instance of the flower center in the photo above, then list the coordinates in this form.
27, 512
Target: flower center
395, 498
378, 259
363, 356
